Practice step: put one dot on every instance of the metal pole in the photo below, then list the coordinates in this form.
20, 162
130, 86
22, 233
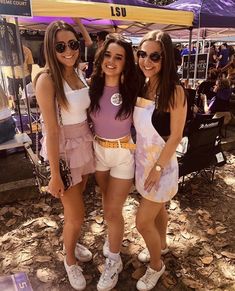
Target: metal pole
189, 55
13, 72
23, 76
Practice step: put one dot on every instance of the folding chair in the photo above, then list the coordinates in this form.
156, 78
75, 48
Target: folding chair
203, 152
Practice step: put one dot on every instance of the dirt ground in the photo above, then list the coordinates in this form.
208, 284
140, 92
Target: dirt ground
200, 236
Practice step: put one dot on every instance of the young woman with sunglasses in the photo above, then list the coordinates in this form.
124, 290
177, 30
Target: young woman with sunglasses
113, 92
62, 95
159, 118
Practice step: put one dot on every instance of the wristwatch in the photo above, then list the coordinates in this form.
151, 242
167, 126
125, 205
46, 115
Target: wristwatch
158, 168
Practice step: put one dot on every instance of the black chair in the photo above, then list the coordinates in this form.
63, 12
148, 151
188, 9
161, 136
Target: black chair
203, 151
191, 95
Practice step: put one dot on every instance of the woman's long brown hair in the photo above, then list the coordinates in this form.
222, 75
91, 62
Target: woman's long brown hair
53, 67
168, 78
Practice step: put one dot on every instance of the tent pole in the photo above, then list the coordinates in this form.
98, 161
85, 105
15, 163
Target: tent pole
189, 55
196, 58
13, 73
23, 77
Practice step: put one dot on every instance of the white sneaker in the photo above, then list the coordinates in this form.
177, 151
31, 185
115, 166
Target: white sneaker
150, 278
76, 278
82, 253
144, 255
106, 248
109, 277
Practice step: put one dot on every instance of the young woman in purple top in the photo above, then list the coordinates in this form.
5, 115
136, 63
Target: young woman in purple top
113, 91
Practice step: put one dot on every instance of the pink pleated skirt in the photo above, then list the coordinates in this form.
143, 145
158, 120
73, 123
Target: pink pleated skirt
76, 148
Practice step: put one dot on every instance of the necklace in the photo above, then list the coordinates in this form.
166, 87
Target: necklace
151, 91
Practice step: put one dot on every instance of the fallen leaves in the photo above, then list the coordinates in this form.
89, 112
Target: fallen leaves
45, 275
207, 260
228, 255
199, 236
192, 283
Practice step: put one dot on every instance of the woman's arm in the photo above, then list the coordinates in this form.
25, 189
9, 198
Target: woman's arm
45, 94
177, 123
84, 32
178, 118
204, 103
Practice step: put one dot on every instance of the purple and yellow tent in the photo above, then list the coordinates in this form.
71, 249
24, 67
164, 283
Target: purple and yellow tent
134, 17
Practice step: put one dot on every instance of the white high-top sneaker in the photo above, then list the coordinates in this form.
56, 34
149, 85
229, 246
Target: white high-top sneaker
76, 278
109, 277
150, 278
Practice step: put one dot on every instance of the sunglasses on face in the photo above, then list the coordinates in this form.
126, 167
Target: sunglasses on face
154, 57
60, 47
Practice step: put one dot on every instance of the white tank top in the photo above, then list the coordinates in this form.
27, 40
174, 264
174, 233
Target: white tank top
78, 103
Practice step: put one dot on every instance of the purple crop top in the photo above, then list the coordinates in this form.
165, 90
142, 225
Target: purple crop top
105, 124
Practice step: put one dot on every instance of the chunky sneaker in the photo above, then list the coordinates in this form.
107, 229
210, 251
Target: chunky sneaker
82, 253
76, 278
150, 278
109, 277
144, 255
106, 248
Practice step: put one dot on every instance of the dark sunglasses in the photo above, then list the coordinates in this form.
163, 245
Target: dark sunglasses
60, 47
154, 57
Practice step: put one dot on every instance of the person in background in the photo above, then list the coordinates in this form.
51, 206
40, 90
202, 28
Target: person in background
63, 98
87, 39
212, 57
113, 90
15, 79
101, 36
185, 51
7, 123
223, 56
230, 69
159, 119
207, 86
219, 105
177, 54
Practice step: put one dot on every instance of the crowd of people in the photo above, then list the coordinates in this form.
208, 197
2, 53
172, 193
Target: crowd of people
88, 122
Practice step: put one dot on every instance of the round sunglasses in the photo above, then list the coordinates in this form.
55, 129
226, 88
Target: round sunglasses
60, 47
154, 57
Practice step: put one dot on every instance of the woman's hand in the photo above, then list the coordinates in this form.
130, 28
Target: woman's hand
153, 178
56, 186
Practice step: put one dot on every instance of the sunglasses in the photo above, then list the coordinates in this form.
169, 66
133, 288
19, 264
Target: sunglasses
154, 57
60, 47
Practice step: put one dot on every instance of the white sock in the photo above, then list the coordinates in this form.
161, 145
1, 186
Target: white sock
114, 256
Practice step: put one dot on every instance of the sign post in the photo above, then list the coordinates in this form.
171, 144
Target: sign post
202, 65
16, 8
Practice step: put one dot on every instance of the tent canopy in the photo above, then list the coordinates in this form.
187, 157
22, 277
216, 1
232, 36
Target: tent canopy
209, 13
134, 17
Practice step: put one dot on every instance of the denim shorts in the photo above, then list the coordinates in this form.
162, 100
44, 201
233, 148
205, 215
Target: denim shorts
7, 129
